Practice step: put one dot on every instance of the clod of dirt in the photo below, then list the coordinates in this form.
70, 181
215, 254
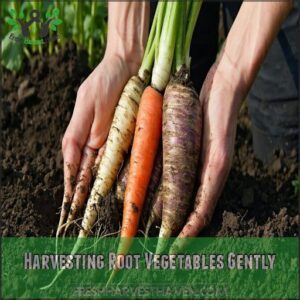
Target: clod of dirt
230, 220
24, 90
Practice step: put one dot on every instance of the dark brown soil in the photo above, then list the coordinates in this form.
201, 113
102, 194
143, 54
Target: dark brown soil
36, 108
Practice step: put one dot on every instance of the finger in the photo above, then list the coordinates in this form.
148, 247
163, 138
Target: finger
82, 118
214, 174
84, 179
71, 155
70, 171
72, 144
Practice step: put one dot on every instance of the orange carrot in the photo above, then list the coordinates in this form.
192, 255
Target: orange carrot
145, 145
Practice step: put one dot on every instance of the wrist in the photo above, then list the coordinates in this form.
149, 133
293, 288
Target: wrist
132, 56
128, 24
249, 40
232, 79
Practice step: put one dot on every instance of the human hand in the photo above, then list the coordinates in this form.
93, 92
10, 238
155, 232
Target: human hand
221, 96
96, 100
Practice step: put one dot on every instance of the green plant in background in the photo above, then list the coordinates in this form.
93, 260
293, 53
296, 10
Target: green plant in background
11, 53
296, 184
84, 22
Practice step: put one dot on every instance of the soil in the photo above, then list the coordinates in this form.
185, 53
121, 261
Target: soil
36, 108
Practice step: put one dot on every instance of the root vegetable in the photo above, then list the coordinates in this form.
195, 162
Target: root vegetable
118, 142
121, 184
182, 122
152, 187
98, 159
145, 145
144, 149
181, 148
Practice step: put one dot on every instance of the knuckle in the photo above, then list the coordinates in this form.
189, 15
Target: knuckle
82, 91
67, 141
64, 143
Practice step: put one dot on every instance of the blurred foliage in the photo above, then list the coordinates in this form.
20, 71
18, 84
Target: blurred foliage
84, 22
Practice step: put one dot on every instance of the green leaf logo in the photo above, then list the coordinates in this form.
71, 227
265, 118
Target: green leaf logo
12, 12
56, 21
11, 22
55, 12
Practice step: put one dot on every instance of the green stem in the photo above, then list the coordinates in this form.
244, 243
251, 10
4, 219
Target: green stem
35, 5
103, 35
91, 38
80, 25
154, 34
27, 53
161, 7
17, 6
75, 29
40, 5
61, 29
179, 58
50, 45
151, 35
165, 55
147, 63
192, 20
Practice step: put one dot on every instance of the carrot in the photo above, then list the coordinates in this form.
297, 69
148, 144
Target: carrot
121, 184
182, 122
144, 149
98, 159
145, 145
181, 148
83, 182
152, 187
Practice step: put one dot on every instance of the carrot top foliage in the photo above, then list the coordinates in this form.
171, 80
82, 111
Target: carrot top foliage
30, 27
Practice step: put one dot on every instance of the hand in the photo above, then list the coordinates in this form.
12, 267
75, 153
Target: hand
96, 100
221, 96
222, 93
87, 131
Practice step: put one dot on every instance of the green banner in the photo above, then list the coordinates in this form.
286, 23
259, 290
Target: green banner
199, 268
